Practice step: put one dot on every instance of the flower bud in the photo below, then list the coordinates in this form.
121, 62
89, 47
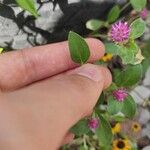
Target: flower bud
93, 124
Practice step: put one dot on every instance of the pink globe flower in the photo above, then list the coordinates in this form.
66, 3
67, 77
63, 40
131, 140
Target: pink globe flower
144, 13
120, 94
93, 124
119, 32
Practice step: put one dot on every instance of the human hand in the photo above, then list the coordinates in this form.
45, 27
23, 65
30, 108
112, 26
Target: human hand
41, 97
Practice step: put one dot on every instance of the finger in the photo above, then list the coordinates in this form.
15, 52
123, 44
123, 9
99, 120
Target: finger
68, 138
23, 67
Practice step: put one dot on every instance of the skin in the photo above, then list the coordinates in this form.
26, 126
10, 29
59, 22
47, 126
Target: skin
40, 98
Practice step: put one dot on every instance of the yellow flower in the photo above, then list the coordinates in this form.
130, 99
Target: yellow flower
121, 144
116, 127
1, 49
136, 127
107, 57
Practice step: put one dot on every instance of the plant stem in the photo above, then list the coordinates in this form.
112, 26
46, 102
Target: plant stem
84, 141
124, 7
103, 36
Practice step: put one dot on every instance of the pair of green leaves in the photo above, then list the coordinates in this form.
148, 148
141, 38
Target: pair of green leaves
28, 5
138, 5
127, 53
95, 24
130, 53
127, 107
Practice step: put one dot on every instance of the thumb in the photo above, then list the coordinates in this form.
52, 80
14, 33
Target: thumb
57, 103
82, 89
77, 92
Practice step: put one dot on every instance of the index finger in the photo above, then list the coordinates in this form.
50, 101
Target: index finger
20, 68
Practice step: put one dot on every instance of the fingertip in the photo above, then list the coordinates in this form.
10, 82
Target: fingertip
97, 48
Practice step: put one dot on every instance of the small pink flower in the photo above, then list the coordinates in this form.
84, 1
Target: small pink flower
120, 94
144, 13
93, 124
119, 32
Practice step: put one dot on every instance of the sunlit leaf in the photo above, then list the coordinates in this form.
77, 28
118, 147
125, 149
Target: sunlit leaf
113, 14
94, 24
28, 5
138, 4
137, 28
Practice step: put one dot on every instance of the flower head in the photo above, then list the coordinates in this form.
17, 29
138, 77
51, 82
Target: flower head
93, 123
136, 127
121, 144
120, 94
119, 32
115, 127
107, 57
144, 13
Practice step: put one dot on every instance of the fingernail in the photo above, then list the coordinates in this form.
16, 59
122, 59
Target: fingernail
89, 71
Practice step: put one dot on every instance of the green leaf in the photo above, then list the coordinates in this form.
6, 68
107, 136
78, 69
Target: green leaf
114, 106
100, 99
128, 52
137, 28
106, 147
145, 49
112, 48
129, 76
138, 5
82, 148
28, 5
94, 24
1, 50
127, 55
118, 117
80, 128
104, 132
78, 47
145, 65
129, 107
111, 88
113, 14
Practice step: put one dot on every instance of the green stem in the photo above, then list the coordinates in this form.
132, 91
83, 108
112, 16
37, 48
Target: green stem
103, 36
124, 7
94, 114
84, 141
